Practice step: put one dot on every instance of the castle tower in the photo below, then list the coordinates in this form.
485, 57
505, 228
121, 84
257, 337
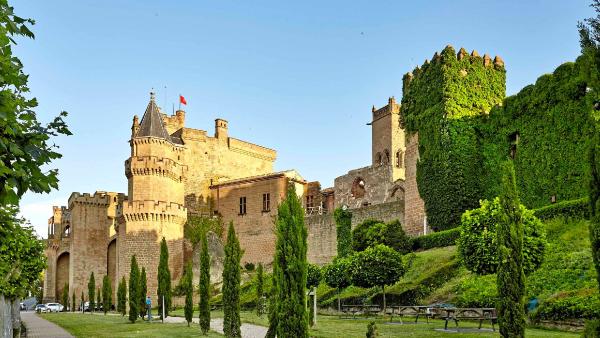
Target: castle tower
387, 143
154, 209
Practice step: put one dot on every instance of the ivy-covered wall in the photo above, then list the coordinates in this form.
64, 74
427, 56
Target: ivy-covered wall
550, 126
444, 101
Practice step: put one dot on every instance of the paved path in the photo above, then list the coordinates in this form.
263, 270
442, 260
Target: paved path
216, 324
38, 327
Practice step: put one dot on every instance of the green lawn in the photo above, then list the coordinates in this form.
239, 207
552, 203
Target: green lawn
88, 325
333, 327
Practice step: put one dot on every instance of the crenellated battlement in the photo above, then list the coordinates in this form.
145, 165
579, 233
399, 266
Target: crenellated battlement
150, 211
149, 140
153, 165
252, 149
100, 198
391, 108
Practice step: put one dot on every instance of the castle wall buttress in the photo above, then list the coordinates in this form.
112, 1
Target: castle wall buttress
414, 219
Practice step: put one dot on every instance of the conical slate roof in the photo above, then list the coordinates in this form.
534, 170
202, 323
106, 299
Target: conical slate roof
152, 122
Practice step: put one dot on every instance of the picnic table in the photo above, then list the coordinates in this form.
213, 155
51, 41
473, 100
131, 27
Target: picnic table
456, 314
366, 310
410, 310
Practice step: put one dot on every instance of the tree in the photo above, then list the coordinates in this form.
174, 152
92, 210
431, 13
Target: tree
477, 244
164, 280
122, 297
99, 298
290, 267
260, 282
377, 266
189, 293
106, 293
73, 302
134, 284
373, 232
92, 291
337, 275
65, 296
143, 292
204, 287
82, 302
231, 285
273, 305
510, 278
343, 224
312, 281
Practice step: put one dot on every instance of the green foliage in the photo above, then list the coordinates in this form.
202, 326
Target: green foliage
189, 292
164, 280
372, 330
343, 222
578, 208
553, 122
592, 328
134, 284
92, 291
594, 193
65, 296
196, 226
510, 238
143, 292
443, 101
248, 266
106, 293
313, 276
373, 232
337, 275
204, 287
290, 268
122, 297
260, 301
82, 301
377, 266
22, 258
477, 243
98, 297
231, 285
436, 239
73, 302
25, 147
563, 305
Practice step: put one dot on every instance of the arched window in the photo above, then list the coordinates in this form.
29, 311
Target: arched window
378, 158
386, 157
358, 188
399, 159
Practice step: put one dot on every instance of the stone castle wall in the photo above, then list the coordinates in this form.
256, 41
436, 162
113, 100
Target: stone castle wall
414, 205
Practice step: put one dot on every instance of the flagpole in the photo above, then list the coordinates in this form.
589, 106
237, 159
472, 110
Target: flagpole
179, 101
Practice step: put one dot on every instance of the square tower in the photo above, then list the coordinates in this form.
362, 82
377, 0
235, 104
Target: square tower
387, 139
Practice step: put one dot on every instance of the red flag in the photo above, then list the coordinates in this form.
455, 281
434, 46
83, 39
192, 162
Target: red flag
182, 100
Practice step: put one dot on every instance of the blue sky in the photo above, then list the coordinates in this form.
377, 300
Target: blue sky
299, 77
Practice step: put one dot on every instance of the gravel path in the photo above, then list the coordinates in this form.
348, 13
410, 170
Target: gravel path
216, 324
40, 327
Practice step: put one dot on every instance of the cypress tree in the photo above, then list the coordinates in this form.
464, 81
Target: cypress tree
231, 285
134, 284
73, 301
510, 278
65, 296
99, 298
260, 290
188, 290
164, 279
122, 297
291, 273
204, 286
106, 294
82, 302
143, 291
91, 291
273, 306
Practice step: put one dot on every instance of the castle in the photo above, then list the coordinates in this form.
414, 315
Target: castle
442, 144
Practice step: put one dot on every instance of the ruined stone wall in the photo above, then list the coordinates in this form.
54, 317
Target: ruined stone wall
322, 233
414, 205
378, 187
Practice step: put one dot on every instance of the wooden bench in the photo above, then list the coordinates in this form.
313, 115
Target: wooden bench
456, 314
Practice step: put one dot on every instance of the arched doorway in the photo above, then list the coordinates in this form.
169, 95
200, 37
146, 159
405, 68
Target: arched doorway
111, 263
62, 274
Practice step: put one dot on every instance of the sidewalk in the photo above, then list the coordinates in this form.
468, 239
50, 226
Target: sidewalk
38, 327
216, 324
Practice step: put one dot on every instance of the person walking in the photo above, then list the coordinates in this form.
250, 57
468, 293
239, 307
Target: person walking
149, 308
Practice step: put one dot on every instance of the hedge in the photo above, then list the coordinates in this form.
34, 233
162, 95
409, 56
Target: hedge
578, 208
570, 305
436, 239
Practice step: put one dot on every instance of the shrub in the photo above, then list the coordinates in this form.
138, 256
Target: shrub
477, 244
578, 208
371, 232
592, 329
436, 239
569, 305
372, 330
249, 266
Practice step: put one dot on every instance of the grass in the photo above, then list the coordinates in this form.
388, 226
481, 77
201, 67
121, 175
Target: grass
333, 327
88, 325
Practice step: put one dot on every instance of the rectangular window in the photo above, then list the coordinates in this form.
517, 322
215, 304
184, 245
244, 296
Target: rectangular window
243, 205
309, 202
266, 202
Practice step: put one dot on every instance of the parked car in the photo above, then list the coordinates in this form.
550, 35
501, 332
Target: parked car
55, 307
41, 308
22, 307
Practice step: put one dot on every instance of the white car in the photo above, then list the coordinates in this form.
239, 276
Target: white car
55, 307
